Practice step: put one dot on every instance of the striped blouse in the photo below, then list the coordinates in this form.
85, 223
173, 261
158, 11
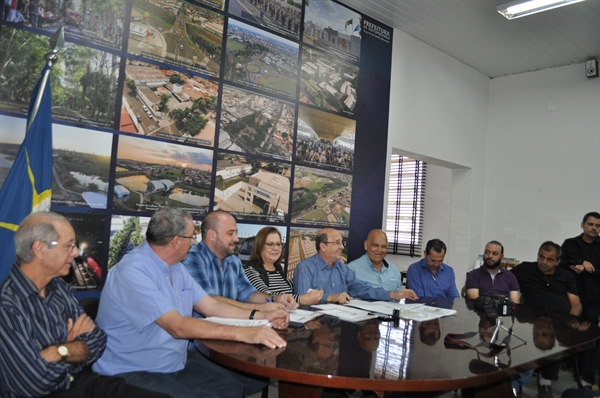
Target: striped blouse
277, 284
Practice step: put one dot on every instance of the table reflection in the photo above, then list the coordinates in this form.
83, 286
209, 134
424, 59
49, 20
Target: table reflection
379, 355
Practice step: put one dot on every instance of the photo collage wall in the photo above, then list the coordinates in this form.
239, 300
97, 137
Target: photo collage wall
248, 106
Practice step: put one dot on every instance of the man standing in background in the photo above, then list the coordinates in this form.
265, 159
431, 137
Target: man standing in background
581, 255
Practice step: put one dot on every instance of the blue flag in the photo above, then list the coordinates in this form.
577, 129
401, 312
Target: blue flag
28, 186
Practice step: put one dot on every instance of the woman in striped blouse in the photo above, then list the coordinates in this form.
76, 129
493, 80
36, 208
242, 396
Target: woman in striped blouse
264, 268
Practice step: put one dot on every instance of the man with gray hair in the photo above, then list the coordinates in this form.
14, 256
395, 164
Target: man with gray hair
47, 340
146, 310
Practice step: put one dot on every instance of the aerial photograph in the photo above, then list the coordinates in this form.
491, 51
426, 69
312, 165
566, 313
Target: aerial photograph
84, 80
80, 172
321, 197
332, 27
325, 139
85, 21
160, 102
282, 16
252, 189
151, 174
257, 124
328, 82
261, 60
178, 33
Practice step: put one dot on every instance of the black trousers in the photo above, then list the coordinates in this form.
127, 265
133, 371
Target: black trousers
91, 385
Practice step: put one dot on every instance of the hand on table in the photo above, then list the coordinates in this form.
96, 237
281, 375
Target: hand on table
340, 298
311, 297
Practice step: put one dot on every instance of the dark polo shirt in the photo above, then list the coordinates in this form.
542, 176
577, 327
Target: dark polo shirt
503, 283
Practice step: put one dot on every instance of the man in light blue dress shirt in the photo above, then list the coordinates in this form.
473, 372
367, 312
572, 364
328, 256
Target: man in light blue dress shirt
325, 271
373, 268
146, 311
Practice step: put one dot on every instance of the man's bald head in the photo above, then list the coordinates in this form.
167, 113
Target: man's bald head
376, 247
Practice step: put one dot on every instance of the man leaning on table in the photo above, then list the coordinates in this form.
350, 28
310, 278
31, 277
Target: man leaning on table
146, 311
373, 268
214, 266
326, 270
430, 277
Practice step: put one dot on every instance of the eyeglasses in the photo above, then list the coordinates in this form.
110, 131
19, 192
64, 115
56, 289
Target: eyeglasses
69, 246
337, 242
193, 236
275, 245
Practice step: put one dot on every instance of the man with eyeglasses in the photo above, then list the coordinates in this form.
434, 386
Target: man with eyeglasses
214, 266
47, 340
373, 268
326, 271
146, 310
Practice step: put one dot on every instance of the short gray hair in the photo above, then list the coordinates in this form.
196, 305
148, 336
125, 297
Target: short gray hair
36, 226
165, 224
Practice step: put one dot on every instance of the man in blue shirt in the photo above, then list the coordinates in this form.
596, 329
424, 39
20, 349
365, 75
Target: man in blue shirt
325, 271
372, 266
430, 277
47, 341
214, 266
146, 310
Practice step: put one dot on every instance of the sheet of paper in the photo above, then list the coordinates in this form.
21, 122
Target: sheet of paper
303, 316
239, 322
416, 312
381, 307
345, 313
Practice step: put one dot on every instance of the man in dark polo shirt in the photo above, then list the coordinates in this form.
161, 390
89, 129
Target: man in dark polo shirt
545, 285
581, 257
491, 278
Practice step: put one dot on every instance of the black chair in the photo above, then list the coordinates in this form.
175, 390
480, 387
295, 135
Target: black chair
90, 306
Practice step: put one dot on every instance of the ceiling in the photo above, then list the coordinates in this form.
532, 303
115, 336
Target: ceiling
473, 32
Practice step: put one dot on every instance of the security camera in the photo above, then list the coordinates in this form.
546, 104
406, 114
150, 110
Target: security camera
591, 68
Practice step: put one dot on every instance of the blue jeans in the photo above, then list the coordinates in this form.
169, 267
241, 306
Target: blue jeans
199, 378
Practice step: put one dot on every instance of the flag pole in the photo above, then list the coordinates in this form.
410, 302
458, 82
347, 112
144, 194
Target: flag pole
57, 42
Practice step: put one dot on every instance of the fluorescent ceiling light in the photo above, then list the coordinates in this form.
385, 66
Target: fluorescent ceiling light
521, 8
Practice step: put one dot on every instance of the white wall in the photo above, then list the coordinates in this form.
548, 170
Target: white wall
439, 113
542, 170
505, 167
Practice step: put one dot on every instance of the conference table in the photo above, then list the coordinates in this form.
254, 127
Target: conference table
413, 356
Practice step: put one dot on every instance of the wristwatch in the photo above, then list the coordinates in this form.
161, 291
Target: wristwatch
63, 351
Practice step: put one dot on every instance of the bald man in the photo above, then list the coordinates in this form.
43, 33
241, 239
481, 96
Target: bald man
326, 270
373, 268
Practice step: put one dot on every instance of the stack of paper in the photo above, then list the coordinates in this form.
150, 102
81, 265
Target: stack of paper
344, 312
416, 312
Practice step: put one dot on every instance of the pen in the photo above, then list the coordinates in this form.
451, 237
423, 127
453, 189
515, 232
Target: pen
268, 300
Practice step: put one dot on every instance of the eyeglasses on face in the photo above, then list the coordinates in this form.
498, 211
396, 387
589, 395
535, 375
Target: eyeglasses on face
69, 246
337, 242
193, 236
276, 245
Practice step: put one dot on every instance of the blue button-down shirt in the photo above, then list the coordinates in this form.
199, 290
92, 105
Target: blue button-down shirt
227, 281
314, 273
28, 324
140, 289
425, 284
388, 278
